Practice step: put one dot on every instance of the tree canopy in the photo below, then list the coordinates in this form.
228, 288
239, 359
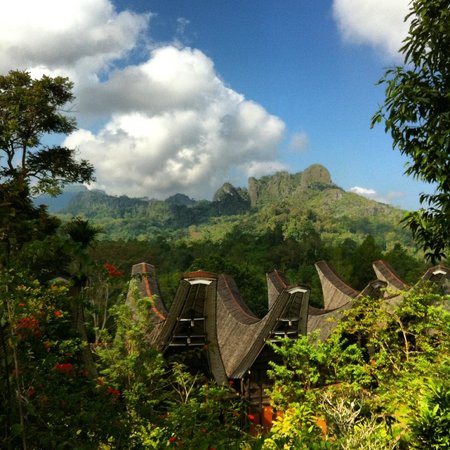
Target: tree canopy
416, 112
30, 109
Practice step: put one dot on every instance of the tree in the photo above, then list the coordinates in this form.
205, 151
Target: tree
416, 112
32, 243
30, 109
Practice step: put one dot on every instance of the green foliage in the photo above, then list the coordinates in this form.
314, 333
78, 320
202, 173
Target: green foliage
47, 398
416, 112
376, 383
130, 364
334, 213
430, 426
296, 428
161, 404
30, 108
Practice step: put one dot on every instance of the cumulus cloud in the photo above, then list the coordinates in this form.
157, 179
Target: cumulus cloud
176, 128
169, 123
75, 37
372, 194
379, 23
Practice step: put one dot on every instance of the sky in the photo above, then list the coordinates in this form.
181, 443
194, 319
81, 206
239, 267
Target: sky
184, 95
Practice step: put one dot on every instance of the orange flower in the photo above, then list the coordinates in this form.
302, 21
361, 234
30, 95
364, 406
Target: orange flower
322, 424
57, 313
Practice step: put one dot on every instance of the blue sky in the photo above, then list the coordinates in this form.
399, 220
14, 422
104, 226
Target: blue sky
183, 95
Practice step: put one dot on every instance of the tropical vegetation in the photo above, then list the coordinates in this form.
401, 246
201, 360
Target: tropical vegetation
76, 368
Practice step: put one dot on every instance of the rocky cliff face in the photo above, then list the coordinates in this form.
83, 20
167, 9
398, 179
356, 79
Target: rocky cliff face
283, 186
231, 200
315, 174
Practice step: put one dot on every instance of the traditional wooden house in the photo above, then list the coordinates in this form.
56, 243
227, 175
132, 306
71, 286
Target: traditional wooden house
210, 326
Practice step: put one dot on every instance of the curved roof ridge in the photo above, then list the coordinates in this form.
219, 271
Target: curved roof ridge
336, 292
259, 338
436, 272
280, 278
268, 324
385, 272
233, 302
276, 282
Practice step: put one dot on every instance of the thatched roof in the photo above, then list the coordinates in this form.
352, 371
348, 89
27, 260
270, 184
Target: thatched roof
438, 274
336, 292
208, 313
385, 272
242, 335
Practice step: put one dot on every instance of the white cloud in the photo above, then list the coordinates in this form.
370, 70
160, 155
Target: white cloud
79, 38
169, 123
379, 23
363, 191
260, 168
177, 128
372, 194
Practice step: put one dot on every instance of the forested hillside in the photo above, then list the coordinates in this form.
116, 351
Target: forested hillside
294, 202
284, 221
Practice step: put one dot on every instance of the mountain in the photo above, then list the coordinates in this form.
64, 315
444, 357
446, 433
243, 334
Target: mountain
56, 204
284, 186
290, 202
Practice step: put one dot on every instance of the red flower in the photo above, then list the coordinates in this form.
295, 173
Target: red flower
203, 430
28, 322
113, 271
65, 368
113, 391
22, 304
172, 439
251, 417
230, 382
57, 313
